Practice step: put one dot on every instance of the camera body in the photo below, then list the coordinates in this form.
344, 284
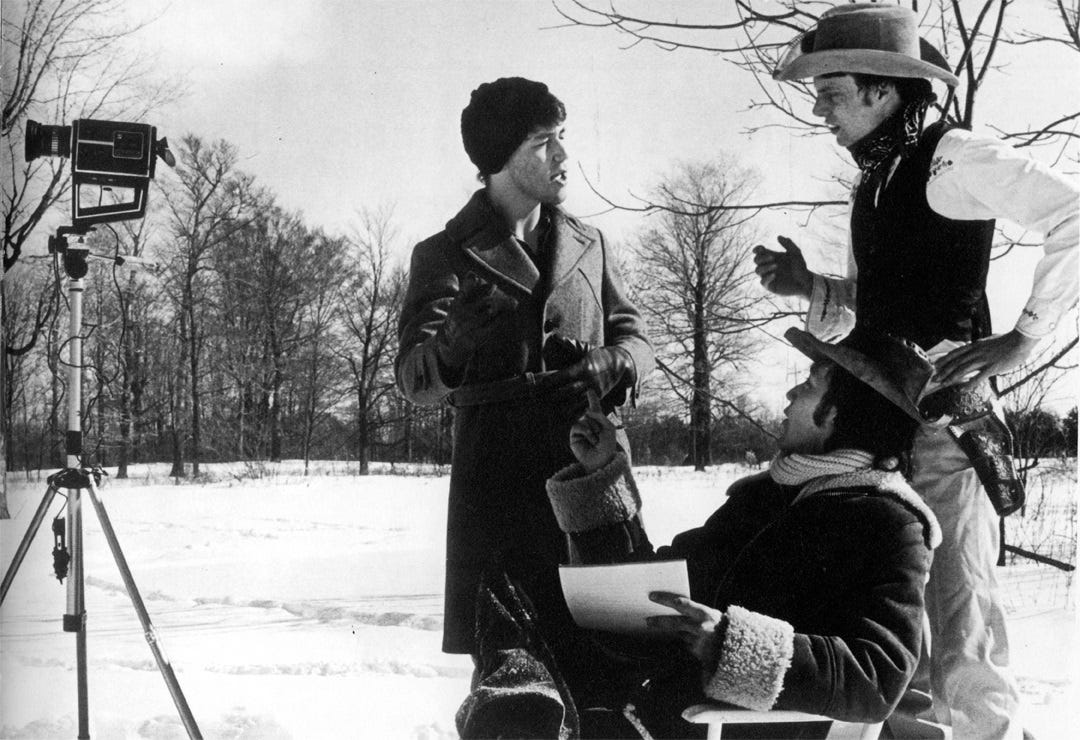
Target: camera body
112, 164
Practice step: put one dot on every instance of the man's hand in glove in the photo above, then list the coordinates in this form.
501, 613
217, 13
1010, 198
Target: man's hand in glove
470, 320
783, 273
601, 371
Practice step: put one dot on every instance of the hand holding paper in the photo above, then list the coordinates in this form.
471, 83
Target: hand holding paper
695, 624
615, 598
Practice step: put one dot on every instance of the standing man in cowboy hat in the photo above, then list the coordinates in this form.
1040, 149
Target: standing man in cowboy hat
513, 312
921, 229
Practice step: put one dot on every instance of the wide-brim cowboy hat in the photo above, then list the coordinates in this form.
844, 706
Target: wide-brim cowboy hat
896, 368
868, 39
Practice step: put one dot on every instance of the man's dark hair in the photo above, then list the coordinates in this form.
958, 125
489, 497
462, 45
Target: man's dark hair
910, 89
501, 114
866, 420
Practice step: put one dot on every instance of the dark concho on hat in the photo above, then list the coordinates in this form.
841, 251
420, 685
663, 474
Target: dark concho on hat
865, 38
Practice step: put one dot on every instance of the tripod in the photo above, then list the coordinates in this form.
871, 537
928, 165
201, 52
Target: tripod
76, 480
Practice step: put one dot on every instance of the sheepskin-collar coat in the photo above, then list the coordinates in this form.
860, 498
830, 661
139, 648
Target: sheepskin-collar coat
822, 584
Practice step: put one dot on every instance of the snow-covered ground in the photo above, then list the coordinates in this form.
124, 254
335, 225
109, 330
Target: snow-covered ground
297, 607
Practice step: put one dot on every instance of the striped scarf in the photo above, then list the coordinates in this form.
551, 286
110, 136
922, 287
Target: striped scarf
796, 469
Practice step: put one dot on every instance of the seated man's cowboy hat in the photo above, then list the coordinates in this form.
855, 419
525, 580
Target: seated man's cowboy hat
868, 39
894, 367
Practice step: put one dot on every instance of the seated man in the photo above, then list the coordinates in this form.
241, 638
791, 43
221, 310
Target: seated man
806, 586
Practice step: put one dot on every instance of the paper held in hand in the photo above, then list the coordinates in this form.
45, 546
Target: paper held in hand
615, 598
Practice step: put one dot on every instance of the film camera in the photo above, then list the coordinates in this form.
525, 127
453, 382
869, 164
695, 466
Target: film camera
112, 164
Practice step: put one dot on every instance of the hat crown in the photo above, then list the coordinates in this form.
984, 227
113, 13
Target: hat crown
871, 27
874, 39
894, 367
901, 362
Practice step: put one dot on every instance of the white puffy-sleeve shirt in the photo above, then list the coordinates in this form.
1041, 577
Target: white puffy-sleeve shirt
977, 178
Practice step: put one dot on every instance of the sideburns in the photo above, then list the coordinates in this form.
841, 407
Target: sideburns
880, 89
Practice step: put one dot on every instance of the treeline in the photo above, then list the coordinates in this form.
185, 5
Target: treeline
1040, 433
223, 327
232, 330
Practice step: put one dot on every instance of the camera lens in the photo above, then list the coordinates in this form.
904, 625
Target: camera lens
47, 141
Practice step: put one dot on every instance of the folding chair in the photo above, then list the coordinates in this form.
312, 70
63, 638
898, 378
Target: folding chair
716, 715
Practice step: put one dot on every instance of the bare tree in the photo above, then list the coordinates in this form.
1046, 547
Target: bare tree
319, 382
32, 302
211, 203
61, 60
753, 37
693, 280
276, 271
1027, 389
133, 304
371, 297
979, 37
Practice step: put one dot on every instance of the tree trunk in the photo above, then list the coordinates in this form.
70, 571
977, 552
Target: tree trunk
5, 422
310, 407
700, 416
55, 452
125, 425
176, 391
363, 442
193, 359
275, 411
127, 354
137, 386
175, 440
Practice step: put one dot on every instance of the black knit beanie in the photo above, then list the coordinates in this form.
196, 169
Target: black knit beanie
501, 114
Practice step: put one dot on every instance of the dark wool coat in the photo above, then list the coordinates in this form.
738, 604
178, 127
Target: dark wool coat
505, 450
822, 586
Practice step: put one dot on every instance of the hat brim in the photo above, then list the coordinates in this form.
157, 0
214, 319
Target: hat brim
863, 61
859, 365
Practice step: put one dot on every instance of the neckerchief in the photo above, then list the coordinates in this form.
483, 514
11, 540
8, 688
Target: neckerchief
897, 135
796, 469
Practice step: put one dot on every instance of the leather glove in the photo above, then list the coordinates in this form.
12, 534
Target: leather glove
604, 368
783, 273
601, 370
470, 320
561, 352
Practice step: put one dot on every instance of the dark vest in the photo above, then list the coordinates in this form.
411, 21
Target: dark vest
920, 275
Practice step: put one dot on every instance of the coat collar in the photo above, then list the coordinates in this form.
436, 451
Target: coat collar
484, 237
887, 484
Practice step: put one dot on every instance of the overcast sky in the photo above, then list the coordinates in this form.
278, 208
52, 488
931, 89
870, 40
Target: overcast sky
337, 105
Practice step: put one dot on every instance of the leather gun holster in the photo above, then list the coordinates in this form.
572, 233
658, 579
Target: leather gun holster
974, 418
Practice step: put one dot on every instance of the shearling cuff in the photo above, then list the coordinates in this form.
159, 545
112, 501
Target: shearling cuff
755, 656
584, 501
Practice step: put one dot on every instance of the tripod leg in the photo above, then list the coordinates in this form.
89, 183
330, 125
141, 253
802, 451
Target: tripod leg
83, 684
144, 618
31, 531
75, 616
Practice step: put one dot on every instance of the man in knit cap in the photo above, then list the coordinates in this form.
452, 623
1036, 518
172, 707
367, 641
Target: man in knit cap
513, 313
921, 230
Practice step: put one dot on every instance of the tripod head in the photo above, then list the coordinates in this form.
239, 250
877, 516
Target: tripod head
73, 258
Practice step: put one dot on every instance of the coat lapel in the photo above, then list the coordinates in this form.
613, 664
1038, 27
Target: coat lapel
569, 245
486, 241
504, 256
